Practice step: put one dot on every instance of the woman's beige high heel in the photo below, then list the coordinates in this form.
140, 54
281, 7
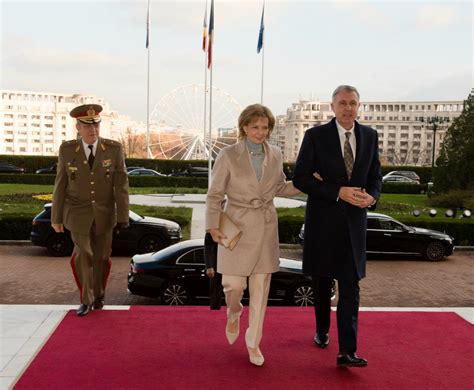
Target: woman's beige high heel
255, 356
232, 330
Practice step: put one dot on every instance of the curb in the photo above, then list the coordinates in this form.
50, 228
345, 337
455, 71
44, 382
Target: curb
282, 246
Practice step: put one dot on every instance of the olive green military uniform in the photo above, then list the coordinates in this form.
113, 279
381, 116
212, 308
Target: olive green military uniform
89, 203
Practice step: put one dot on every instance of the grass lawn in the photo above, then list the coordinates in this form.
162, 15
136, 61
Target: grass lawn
16, 199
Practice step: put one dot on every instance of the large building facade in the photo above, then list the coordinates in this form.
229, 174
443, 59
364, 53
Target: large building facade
404, 128
36, 123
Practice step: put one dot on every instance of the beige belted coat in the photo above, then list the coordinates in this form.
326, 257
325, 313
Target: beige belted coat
250, 205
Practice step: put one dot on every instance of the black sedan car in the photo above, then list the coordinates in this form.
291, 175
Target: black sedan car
144, 172
145, 234
386, 235
51, 169
177, 275
6, 167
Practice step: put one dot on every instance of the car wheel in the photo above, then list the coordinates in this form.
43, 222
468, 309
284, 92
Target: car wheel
302, 295
150, 243
435, 251
175, 294
59, 244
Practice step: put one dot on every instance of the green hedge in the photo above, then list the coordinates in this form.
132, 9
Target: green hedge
288, 229
32, 163
403, 188
167, 181
19, 228
27, 178
135, 181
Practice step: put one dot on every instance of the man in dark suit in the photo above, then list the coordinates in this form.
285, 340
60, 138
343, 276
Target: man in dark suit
90, 197
338, 167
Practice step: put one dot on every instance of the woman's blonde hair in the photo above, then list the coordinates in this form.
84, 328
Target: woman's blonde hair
253, 112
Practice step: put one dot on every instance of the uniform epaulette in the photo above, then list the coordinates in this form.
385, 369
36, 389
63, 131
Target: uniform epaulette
110, 142
70, 142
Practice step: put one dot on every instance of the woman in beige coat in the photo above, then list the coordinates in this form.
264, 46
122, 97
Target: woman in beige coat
250, 174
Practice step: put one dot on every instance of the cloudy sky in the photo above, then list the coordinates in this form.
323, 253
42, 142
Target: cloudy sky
411, 50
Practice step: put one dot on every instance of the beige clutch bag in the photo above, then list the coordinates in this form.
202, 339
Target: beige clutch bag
230, 229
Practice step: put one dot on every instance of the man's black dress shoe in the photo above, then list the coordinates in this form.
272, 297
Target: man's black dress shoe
98, 303
83, 310
351, 360
321, 340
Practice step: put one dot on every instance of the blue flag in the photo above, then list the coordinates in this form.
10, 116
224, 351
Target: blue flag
260, 34
210, 36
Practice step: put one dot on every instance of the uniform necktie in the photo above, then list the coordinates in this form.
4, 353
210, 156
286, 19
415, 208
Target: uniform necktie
91, 156
348, 155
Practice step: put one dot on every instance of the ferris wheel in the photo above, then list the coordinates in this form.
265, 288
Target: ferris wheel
177, 124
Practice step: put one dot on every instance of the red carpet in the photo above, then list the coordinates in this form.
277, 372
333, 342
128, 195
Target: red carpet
185, 348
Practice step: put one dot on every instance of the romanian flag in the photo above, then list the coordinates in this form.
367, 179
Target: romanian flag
204, 30
211, 36
148, 26
260, 34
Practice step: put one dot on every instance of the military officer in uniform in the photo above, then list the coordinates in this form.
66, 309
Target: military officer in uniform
90, 198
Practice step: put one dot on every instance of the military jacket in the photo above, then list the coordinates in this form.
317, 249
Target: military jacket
83, 196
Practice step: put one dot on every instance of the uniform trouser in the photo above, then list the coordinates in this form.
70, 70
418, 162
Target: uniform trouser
347, 305
259, 287
91, 263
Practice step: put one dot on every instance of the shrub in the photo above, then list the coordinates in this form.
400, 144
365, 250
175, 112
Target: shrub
454, 199
402, 188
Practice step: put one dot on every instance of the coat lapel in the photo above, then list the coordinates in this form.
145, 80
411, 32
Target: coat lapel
359, 142
334, 146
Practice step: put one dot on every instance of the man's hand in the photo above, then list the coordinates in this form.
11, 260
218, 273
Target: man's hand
210, 272
121, 226
356, 196
58, 227
369, 200
317, 176
217, 235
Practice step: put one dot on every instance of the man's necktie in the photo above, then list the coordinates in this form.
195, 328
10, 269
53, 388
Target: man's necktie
348, 155
91, 156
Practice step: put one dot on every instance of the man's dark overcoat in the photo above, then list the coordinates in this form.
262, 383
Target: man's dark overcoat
327, 217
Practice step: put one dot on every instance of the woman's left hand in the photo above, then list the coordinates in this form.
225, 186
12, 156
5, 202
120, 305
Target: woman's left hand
217, 235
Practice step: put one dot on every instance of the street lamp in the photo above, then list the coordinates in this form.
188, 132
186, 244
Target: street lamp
435, 122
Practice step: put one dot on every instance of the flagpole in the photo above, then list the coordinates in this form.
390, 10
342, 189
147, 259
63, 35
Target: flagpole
261, 88
149, 155
209, 163
261, 47
205, 87
210, 64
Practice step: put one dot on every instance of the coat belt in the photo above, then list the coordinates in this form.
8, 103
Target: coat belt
266, 206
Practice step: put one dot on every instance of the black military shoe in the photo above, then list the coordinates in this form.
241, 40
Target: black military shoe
83, 310
98, 303
351, 360
321, 340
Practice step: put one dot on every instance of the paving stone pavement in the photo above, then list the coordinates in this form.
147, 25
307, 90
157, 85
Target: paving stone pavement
29, 276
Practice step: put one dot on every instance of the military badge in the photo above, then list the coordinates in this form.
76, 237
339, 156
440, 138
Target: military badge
106, 163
